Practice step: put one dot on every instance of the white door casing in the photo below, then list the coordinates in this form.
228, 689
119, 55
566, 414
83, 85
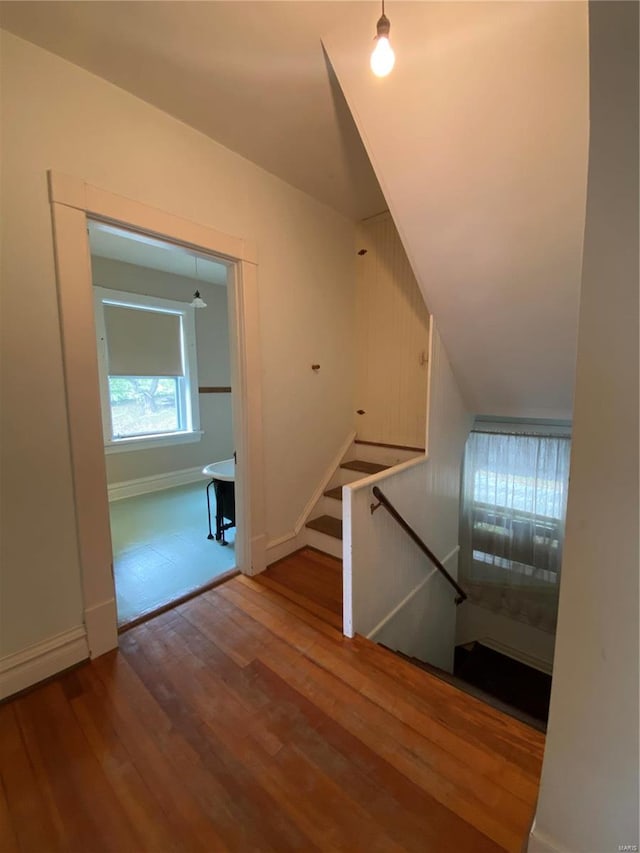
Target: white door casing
72, 203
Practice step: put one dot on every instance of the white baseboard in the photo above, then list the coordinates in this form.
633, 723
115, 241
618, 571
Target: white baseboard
322, 487
518, 654
42, 660
155, 483
102, 627
373, 633
541, 843
258, 561
295, 539
282, 547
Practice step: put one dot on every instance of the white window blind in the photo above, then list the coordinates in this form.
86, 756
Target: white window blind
142, 342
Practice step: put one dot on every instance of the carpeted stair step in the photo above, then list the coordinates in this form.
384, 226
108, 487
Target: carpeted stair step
326, 524
363, 467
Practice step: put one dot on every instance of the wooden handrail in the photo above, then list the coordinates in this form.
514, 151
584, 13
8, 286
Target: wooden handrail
384, 501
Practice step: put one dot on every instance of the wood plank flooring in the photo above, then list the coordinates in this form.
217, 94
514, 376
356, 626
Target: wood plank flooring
244, 721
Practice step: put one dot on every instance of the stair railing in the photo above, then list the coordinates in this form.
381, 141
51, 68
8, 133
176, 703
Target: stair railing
384, 501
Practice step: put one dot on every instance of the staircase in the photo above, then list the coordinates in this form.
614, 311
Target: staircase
507, 685
323, 530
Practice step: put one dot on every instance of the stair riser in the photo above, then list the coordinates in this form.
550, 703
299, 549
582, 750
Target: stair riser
383, 455
323, 542
327, 506
344, 475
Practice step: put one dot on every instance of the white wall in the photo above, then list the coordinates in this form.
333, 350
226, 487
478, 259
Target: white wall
479, 141
392, 333
382, 565
57, 116
589, 790
212, 344
509, 636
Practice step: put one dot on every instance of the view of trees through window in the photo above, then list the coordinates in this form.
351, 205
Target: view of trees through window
144, 405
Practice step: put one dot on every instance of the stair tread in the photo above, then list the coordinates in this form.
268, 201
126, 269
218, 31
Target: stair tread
335, 493
326, 524
364, 467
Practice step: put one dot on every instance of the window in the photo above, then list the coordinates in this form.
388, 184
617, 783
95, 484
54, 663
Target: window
514, 498
148, 370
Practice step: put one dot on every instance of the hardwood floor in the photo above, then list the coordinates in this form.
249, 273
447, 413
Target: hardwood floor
311, 579
244, 721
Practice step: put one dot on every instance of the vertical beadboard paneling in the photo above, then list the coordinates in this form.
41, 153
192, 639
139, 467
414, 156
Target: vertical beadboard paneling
392, 331
382, 566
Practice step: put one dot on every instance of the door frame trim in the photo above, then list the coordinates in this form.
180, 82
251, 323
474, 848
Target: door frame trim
73, 202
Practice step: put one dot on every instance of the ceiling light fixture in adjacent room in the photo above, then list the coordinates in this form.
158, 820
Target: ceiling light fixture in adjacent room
198, 301
382, 58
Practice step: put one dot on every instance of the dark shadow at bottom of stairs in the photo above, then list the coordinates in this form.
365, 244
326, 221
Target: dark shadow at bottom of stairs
501, 682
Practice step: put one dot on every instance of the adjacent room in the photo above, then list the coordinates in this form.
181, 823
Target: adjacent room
163, 356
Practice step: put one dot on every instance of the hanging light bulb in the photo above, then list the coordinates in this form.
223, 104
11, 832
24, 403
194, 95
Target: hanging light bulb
382, 57
198, 301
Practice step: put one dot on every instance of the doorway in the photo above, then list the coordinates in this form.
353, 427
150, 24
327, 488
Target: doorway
74, 205
163, 344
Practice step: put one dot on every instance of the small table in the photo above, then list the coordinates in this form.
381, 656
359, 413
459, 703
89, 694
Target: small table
223, 475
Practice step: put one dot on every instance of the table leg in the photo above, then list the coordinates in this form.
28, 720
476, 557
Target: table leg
210, 536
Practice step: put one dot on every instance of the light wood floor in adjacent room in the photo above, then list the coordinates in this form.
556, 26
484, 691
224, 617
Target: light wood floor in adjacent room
244, 721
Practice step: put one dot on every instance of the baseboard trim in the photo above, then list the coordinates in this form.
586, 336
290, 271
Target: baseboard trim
42, 660
279, 548
155, 483
517, 654
320, 490
102, 627
373, 633
258, 562
541, 843
390, 446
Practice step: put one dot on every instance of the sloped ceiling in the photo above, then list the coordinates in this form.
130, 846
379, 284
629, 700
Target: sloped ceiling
251, 75
479, 139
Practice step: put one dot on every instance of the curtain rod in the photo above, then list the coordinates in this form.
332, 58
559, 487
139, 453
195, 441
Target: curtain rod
526, 434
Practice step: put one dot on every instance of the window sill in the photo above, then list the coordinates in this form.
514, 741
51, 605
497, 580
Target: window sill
147, 442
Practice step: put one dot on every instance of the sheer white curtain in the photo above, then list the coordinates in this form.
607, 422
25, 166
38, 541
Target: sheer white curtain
514, 499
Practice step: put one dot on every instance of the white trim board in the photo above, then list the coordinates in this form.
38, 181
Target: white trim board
282, 547
375, 631
292, 541
73, 202
322, 487
539, 842
517, 654
154, 483
42, 660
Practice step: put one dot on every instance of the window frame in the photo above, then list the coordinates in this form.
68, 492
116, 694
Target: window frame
189, 397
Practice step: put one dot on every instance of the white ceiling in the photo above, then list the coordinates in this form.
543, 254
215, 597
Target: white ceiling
251, 75
480, 139
117, 244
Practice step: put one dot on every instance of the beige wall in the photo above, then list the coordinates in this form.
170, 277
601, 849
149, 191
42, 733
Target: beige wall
589, 790
57, 116
479, 141
212, 342
392, 333
383, 566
